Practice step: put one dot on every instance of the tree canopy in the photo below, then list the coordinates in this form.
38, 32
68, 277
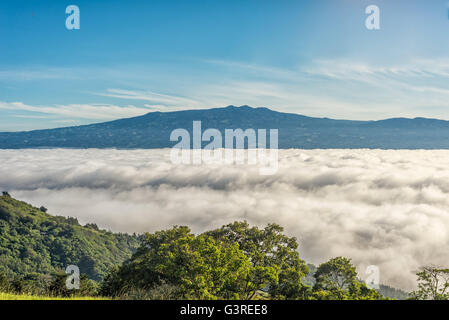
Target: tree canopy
34, 243
433, 284
236, 261
336, 279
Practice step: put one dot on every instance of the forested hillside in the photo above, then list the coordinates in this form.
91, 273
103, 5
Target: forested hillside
236, 261
34, 244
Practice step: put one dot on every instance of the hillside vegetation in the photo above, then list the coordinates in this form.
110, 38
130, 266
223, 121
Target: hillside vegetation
12, 296
35, 245
236, 261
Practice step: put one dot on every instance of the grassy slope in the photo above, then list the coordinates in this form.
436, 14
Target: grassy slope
10, 296
33, 242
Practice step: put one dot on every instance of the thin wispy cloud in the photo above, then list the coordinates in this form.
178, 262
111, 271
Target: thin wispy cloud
78, 111
348, 89
153, 97
322, 88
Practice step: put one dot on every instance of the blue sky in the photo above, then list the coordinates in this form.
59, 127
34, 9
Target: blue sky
313, 57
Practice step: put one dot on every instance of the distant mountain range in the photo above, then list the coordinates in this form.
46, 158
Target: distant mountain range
295, 131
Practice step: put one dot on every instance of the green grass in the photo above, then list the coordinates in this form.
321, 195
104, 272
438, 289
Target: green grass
11, 296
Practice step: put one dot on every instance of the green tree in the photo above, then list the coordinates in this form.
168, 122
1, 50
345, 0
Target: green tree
34, 243
4, 282
199, 266
433, 284
335, 274
336, 279
58, 287
275, 262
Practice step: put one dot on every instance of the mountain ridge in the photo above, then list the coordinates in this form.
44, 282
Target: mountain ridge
153, 129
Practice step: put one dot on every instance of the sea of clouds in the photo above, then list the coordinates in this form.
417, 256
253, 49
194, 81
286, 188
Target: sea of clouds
384, 208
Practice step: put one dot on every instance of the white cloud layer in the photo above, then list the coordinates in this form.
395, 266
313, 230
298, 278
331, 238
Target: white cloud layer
387, 208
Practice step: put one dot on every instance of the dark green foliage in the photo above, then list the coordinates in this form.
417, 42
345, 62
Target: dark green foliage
274, 258
4, 282
336, 274
198, 267
58, 288
32, 283
92, 226
336, 279
34, 242
234, 262
392, 293
384, 290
